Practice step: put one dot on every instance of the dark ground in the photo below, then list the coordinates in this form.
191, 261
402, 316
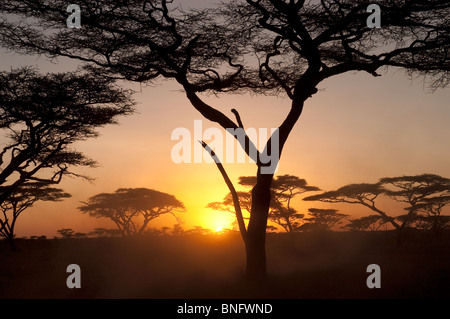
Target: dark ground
329, 265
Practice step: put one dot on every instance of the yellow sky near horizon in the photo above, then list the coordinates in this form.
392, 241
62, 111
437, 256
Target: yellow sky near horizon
356, 129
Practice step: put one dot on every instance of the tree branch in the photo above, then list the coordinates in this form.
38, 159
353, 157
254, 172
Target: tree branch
237, 206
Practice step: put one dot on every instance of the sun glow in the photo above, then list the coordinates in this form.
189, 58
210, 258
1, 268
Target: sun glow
219, 221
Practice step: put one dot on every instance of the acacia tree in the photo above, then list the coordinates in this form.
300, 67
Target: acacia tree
429, 213
419, 192
131, 209
322, 219
371, 222
419, 189
276, 47
66, 232
413, 190
364, 194
23, 198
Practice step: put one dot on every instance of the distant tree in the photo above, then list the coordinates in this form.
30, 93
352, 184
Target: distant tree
23, 198
363, 194
371, 222
178, 229
66, 233
322, 219
165, 229
419, 192
104, 232
153, 231
198, 230
98, 232
131, 209
412, 190
428, 214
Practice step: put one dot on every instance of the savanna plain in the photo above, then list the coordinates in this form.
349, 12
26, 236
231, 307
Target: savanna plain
304, 265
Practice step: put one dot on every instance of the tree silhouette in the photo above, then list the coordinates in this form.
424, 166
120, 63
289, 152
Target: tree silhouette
322, 219
131, 209
413, 190
104, 232
23, 198
66, 232
364, 194
371, 222
41, 117
429, 214
418, 192
262, 46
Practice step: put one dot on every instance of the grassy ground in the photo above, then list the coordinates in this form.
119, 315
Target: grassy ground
330, 265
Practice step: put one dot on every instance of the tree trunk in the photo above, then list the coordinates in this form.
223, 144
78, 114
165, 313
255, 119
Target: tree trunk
289, 226
256, 271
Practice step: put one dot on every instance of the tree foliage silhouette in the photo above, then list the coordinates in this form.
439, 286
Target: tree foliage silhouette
66, 233
429, 214
418, 192
262, 46
23, 198
322, 219
371, 222
131, 209
412, 190
41, 116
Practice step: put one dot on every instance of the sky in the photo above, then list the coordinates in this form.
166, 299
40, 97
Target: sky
356, 129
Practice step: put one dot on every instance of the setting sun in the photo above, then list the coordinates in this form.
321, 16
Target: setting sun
221, 221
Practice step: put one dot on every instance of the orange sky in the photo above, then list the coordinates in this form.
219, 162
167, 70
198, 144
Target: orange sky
356, 129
